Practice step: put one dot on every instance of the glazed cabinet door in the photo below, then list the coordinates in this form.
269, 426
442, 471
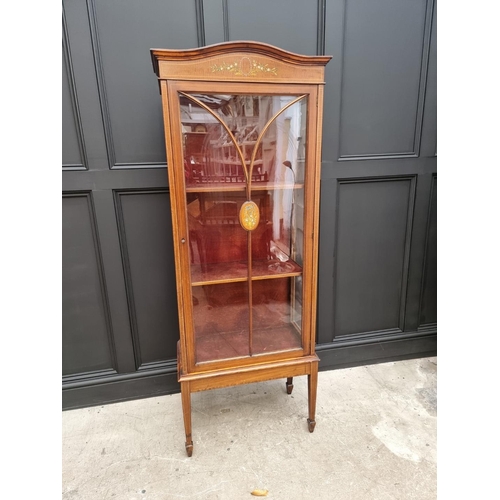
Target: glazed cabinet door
243, 162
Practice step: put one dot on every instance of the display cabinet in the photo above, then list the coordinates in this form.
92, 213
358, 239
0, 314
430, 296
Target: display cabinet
243, 134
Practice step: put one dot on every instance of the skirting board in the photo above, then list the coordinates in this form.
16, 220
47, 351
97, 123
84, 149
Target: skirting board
335, 355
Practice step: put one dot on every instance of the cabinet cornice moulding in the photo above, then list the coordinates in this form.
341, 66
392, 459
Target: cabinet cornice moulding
239, 60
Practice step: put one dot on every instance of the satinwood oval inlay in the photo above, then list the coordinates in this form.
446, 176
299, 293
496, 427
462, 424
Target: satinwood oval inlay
249, 216
245, 65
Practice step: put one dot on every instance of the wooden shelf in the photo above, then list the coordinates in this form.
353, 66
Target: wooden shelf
208, 187
232, 272
231, 144
237, 162
229, 345
271, 186
238, 186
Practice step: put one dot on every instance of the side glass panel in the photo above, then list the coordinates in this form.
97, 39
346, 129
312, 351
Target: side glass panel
246, 267
273, 314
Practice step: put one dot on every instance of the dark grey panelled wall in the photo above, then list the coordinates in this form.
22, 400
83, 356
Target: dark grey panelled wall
377, 286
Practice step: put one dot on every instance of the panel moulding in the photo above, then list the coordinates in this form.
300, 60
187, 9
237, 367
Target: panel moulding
424, 66
102, 282
412, 179
424, 263
140, 366
74, 100
101, 86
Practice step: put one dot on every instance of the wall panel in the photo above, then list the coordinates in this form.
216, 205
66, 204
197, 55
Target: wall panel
377, 280
71, 156
73, 149
87, 339
147, 250
428, 301
384, 61
289, 24
372, 250
123, 33
429, 133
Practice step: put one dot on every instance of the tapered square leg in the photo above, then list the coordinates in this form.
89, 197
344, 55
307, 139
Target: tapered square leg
312, 388
289, 385
186, 412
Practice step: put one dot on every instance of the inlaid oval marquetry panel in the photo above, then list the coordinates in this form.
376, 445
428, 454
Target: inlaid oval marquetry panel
249, 216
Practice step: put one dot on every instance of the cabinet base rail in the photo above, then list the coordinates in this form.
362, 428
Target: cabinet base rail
195, 382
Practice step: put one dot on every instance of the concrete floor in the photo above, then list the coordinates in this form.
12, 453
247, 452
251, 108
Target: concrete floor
375, 438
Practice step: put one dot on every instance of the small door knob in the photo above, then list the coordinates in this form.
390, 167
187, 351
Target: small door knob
183, 240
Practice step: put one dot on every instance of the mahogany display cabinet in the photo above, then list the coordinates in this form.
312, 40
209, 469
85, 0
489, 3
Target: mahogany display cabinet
243, 134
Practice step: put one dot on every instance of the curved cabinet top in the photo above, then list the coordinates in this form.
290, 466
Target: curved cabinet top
242, 61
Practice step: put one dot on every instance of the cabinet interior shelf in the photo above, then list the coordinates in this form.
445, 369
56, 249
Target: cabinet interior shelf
231, 144
239, 186
238, 162
231, 345
232, 272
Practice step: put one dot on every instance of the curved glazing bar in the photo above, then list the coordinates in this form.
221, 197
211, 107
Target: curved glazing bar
216, 116
266, 127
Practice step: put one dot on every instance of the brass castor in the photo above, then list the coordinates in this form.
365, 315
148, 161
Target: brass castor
311, 424
289, 385
189, 448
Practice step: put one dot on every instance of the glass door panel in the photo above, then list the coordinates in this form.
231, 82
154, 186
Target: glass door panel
221, 319
244, 160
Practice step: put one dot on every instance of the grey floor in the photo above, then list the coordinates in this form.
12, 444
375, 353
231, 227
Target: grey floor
375, 438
